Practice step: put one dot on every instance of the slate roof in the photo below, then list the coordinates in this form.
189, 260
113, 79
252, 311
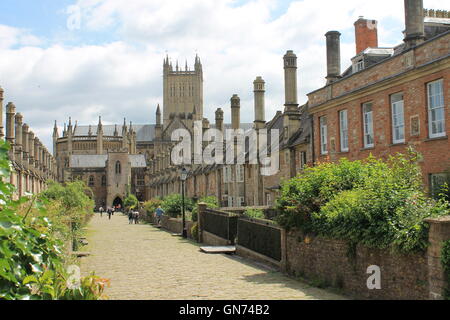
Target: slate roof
99, 161
88, 161
144, 132
137, 161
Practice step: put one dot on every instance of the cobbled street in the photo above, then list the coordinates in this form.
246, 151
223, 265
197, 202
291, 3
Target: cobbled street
146, 263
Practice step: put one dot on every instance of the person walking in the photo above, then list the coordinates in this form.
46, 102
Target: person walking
109, 213
101, 211
130, 217
158, 214
136, 217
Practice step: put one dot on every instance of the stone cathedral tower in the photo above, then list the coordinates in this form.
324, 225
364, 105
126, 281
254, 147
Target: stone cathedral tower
183, 92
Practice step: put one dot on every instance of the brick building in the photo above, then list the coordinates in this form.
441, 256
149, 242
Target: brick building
389, 98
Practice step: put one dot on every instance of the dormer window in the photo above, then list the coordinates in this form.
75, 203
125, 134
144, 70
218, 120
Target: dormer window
358, 65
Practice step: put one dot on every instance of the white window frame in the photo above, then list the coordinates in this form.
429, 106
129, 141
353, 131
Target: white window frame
303, 159
436, 106
268, 199
241, 201
239, 173
343, 128
323, 135
368, 125
230, 201
398, 119
358, 66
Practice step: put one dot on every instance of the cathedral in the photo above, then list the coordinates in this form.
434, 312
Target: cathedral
116, 159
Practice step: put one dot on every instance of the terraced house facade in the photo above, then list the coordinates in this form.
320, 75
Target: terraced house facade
32, 164
389, 98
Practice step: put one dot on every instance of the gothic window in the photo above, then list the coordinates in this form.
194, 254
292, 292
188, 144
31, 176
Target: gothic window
103, 181
91, 181
118, 168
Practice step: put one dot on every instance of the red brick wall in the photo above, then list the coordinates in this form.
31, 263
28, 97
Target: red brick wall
366, 34
422, 54
436, 153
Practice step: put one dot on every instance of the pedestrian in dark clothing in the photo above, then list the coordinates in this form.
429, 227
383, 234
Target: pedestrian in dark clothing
130, 217
101, 211
136, 217
109, 213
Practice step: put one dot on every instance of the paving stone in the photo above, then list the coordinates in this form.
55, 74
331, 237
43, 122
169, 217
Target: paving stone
146, 263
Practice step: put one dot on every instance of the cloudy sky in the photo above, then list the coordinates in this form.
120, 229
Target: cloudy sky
85, 58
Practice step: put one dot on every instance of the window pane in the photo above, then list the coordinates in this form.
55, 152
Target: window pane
436, 109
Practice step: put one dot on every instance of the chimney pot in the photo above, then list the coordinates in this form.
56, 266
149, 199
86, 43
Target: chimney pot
366, 34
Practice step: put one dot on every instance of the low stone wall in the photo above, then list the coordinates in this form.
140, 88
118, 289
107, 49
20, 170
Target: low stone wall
269, 212
334, 263
176, 225
212, 240
249, 254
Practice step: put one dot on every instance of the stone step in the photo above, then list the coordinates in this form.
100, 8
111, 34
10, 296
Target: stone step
218, 249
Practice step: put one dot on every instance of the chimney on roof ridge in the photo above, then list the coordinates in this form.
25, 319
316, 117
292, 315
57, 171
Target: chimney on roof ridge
366, 34
414, 22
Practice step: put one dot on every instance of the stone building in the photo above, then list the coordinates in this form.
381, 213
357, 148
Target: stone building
389, 98
116, 159
32, 165
236, 185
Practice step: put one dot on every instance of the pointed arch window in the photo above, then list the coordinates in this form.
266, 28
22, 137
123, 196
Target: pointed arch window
91, 181
118, 168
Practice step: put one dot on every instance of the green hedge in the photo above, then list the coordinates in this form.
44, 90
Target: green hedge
377, 203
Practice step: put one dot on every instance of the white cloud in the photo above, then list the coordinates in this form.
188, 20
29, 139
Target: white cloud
237, 41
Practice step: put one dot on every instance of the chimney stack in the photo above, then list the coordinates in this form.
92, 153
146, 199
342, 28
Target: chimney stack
333, 56
219, 120
235, 112
10, 113
290, 81
25, 148
18, 129
366, 34
259, 91
414, 22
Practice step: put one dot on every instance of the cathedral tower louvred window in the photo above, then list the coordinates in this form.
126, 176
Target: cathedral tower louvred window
118, 168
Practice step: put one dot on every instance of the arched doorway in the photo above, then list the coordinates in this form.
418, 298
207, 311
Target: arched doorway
118, 202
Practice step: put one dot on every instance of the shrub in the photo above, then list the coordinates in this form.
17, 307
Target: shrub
211, 202
194, 231
172, 205
131, 202
31, 256
255, 213
151, 206
375, 203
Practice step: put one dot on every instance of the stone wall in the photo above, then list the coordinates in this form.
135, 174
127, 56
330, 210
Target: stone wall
334, 263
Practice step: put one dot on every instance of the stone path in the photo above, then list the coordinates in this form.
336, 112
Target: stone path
143, 262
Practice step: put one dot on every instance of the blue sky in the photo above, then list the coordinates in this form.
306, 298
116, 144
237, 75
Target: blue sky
112, 64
